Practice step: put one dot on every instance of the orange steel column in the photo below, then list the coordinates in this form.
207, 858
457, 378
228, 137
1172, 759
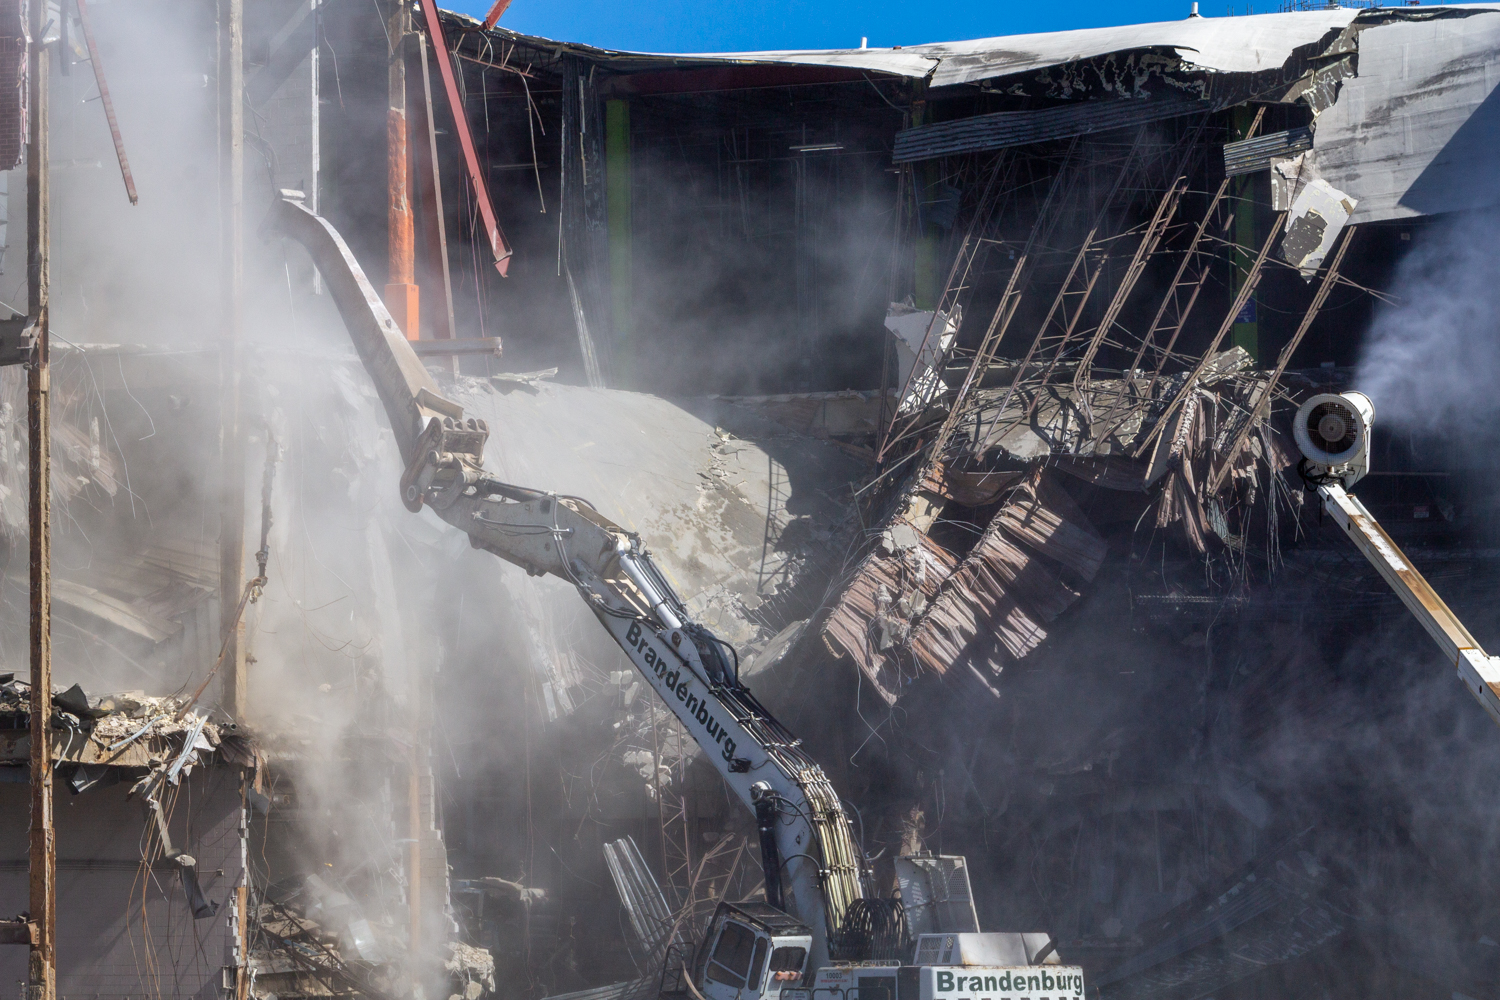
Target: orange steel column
401, 294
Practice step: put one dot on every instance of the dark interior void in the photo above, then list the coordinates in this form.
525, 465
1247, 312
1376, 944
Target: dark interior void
748, 241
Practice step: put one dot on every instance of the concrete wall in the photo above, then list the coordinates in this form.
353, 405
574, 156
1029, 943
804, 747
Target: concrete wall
124, 930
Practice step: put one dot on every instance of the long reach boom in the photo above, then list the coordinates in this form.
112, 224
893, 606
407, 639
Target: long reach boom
812, 866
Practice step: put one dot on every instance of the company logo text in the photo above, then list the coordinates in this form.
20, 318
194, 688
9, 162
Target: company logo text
679, 685
1010, 981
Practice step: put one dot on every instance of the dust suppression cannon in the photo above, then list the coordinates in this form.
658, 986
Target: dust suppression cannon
1333, 433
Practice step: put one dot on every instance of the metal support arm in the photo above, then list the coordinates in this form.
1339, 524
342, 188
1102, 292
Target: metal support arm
1479, 671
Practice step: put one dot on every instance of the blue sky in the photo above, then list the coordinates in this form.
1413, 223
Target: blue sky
730, 25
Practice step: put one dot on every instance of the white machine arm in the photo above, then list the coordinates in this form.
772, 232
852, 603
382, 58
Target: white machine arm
1479, 671
812, 865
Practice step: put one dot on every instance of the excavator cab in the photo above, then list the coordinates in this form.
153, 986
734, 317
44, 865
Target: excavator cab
751, 951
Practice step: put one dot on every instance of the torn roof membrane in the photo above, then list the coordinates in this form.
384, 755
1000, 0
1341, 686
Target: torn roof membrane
1221, 44
1412, 132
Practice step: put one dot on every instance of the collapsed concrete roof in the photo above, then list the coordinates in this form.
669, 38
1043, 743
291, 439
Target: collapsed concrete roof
1225, 45
1412, 130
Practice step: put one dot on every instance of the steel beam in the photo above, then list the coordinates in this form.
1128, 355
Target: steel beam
1252, 279
231, 338
402, 296
434, 221
105, 99
42, 963
1261, 402
498, 246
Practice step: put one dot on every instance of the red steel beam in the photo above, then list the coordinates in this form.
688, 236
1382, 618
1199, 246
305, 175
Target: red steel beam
498, 245
109, 105
495, 12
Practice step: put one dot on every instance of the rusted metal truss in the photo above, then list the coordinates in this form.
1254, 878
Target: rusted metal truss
1176, 305
1247, 289
1260, 402
1133, 175
1059, 192
1171, 316
971, 252
1165, 211
1062, 332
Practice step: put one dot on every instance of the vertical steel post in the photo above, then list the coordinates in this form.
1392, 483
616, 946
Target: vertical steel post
232, 248
414, 855
231, 82
401, 292
1247, 322
41, 969
435, 226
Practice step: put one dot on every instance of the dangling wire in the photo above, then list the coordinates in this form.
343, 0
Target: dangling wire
255, 587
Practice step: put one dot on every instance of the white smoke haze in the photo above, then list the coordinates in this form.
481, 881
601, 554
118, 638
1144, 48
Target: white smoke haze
343, 640
1431, 362
371, 614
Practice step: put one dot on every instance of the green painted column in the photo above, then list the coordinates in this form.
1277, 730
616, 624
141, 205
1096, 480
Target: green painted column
617, 213
1246, 332
926, 282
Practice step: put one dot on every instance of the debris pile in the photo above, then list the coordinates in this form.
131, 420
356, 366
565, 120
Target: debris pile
119, 731
294, 955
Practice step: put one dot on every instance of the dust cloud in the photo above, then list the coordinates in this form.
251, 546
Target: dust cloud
1430, 361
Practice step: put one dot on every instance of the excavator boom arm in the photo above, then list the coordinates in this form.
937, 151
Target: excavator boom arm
813, 866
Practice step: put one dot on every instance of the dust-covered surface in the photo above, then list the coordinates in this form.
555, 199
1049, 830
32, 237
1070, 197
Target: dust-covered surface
127, 730
737, 510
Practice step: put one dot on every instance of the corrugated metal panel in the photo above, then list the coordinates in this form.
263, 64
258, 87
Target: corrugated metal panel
1251, 156
999, 594
866, 617
1054, 525
1018, 128
640, 893
999, 591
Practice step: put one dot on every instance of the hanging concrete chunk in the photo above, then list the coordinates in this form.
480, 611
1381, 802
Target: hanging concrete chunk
1317, 217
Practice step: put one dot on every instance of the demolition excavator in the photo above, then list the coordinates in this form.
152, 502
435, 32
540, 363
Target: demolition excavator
815, 874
